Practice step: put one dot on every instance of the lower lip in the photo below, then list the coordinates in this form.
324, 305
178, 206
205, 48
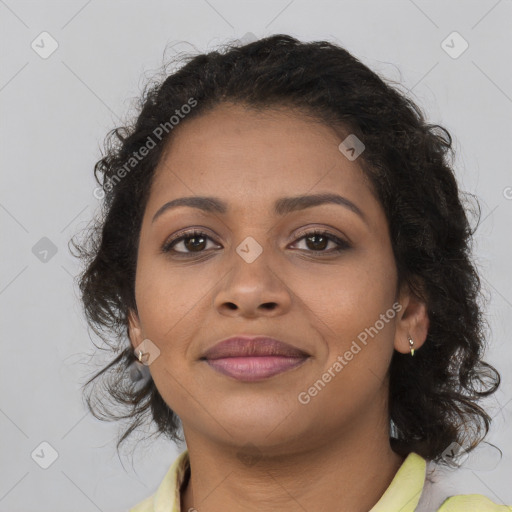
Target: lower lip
254, 368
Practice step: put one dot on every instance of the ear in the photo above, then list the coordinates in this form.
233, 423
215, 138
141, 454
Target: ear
134, 329
412, 320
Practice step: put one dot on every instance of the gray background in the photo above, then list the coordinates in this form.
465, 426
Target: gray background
54, 115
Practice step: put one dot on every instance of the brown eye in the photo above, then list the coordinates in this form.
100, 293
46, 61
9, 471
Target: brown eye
191, 242
194, 243
318, 241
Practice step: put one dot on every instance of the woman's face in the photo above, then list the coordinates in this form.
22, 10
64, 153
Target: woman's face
258, 272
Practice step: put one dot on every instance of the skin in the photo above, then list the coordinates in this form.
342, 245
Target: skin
332, 453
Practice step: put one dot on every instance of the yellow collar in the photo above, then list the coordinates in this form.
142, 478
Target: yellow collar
403, 493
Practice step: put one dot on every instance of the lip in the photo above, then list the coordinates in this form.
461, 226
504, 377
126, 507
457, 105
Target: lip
253, 358
252, 346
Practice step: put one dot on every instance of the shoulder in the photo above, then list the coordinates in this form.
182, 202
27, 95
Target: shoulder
144, 506
472, 503
167, 496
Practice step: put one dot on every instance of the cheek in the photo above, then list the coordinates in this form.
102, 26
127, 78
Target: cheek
160, 306
351, 306
166, 295
348, 296
358, 339
173, 304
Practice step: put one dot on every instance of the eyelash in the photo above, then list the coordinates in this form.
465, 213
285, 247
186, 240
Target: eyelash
167, 247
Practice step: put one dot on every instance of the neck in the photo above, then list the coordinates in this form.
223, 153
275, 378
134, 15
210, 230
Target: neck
347, 473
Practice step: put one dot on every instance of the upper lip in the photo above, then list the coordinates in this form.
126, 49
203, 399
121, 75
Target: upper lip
247, 346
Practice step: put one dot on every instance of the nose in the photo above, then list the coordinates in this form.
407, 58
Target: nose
252, 289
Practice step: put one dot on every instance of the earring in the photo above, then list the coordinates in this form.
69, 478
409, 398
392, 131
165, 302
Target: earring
411, 343
142, 356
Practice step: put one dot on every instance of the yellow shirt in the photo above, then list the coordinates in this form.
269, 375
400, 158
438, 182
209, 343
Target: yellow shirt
409, 491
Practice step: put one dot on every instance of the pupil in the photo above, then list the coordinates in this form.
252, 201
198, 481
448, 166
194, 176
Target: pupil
323, 245
195, 246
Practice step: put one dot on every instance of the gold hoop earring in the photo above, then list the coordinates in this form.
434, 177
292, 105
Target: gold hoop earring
411, 343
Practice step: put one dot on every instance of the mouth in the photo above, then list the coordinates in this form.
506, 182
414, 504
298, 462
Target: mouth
253, 358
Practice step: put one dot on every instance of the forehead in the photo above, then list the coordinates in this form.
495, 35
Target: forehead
252, 157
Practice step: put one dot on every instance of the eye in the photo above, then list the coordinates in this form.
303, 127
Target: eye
194, 241
318, 240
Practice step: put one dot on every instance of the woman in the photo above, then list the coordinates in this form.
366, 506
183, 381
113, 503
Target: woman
285, 247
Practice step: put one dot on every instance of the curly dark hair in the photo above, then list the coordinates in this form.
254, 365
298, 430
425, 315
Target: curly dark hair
433, 396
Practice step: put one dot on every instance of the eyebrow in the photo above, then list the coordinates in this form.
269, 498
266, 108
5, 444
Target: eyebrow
282, 206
